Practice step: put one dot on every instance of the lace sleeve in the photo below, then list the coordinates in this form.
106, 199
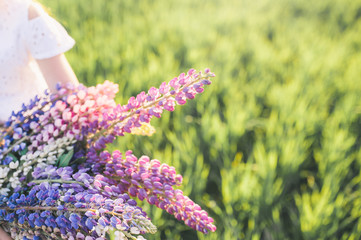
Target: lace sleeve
46, 38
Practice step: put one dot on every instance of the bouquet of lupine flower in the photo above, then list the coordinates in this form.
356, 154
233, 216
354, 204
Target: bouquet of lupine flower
57, 181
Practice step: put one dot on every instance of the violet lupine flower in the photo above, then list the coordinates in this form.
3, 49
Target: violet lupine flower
56, 209
152, 181
58, 133
18, 125
70, 114
50, 127
145, 106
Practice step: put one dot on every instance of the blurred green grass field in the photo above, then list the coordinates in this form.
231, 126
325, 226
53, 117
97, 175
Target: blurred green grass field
272, 148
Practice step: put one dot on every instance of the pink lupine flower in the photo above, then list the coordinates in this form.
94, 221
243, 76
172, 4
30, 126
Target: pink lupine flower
73, 127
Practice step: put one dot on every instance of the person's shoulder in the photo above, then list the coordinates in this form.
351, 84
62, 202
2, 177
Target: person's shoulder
34, 10
23, 10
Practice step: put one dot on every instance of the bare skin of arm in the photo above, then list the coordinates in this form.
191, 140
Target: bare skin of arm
4, 235
55, 69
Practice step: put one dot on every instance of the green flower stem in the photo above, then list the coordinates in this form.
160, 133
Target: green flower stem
56, 181
55, 209
17, 143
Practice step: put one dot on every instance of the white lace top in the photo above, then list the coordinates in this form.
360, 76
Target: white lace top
22, 41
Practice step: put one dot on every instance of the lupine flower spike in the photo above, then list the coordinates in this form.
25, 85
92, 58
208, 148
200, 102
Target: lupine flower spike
58, 181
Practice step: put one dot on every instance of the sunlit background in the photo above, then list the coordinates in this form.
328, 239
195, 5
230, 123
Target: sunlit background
272, 148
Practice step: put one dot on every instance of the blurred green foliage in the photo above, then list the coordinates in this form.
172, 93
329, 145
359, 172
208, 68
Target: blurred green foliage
272, 148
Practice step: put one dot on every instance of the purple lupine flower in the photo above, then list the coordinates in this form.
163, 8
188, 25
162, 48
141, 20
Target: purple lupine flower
59, 140
46, 206
145, 106
153, 181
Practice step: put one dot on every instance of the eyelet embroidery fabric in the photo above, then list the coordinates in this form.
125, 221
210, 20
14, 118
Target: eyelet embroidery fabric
47, 38
22, 42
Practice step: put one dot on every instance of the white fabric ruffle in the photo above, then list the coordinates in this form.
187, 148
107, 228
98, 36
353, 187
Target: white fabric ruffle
46, 38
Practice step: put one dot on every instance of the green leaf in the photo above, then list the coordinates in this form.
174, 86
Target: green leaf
13, 157
64, 159
24, 151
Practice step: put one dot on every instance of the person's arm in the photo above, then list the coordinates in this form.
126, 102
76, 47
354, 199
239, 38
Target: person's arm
4, 235
57, 70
